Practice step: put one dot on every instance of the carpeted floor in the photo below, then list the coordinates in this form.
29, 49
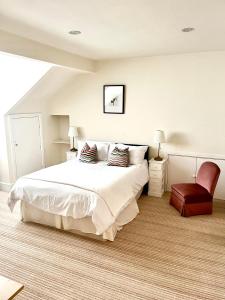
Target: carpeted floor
160, 255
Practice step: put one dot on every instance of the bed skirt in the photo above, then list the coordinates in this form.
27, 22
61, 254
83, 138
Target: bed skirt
82, 226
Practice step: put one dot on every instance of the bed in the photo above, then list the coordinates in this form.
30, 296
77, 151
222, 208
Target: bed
90, 199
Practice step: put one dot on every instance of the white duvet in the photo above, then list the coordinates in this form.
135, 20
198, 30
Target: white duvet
79, 190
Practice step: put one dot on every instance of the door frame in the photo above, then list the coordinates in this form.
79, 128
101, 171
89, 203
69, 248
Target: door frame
12, 155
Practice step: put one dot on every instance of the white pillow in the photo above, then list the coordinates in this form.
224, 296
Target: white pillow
102, 148
136, 153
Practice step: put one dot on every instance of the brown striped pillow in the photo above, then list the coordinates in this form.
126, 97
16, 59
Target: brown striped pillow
88, 154
119, 157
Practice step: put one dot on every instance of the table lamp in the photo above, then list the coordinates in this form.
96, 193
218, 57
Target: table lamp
159, 138
72, 133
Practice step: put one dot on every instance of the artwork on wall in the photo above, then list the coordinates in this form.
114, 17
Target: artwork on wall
113, 99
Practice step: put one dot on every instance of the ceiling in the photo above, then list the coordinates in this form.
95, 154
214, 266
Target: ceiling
118, 28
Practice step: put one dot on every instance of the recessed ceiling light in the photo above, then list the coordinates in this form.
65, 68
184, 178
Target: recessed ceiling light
74, 32
188, 29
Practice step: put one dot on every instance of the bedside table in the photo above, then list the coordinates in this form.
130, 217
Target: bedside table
71, 155
157, 175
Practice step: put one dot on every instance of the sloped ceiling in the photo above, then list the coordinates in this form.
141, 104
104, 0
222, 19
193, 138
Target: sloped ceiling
44, 91
17, 76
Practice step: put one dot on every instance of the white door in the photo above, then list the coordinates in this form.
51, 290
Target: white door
181, 169
26, 144
220, 188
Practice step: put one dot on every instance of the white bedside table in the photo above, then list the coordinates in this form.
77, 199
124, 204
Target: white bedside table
71, 155
157, 174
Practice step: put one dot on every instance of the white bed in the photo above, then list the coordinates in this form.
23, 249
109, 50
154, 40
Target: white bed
90, 198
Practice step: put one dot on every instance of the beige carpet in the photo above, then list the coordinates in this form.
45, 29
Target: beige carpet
160, 255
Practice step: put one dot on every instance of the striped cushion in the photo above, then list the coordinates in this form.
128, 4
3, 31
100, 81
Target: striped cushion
88, 154
119, 157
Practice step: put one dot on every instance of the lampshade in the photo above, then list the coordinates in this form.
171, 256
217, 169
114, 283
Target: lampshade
159, 137
72, 131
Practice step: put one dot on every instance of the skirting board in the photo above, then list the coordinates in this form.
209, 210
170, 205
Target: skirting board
5, 187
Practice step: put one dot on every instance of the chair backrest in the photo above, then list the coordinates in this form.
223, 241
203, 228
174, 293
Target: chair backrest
208, 176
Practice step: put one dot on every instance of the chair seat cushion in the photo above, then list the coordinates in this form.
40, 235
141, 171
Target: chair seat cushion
191, 192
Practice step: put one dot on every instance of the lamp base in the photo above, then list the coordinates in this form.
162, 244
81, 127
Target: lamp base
158, 158
73, 149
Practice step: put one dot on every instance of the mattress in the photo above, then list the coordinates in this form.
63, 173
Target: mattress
78, 190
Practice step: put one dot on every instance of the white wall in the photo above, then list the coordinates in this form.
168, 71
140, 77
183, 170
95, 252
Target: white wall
27, 87
37, 101
13, 87
181, 94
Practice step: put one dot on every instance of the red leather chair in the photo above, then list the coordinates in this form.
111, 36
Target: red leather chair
192, 199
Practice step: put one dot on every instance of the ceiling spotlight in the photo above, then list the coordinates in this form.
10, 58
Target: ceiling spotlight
74, 32
188, 29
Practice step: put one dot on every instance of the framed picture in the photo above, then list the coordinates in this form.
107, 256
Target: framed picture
113, 99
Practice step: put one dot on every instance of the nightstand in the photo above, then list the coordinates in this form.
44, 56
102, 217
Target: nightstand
71, 155
157, 174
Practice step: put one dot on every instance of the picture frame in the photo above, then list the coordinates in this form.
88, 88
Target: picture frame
114, 99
